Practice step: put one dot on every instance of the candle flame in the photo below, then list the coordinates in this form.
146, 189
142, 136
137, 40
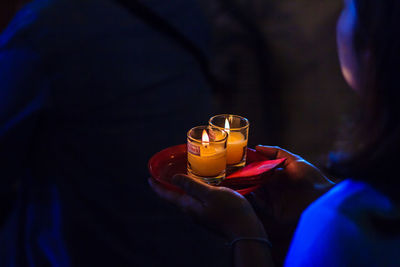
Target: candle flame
227, 125
205, 140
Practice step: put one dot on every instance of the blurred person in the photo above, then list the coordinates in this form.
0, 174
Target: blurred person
354, 222
89, 89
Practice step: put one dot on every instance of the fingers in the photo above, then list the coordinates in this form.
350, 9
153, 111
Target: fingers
164, 193
184, 202
261, 202
192, 187
274, 152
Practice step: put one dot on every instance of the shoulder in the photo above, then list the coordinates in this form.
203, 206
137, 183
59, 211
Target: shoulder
336, 228
354, 200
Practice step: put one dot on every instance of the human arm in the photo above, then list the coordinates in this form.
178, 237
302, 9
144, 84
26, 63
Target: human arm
224, 212
291, 188
287, 192
327, 236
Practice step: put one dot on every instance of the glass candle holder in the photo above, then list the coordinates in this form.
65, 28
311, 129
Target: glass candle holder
207, 154
237, 128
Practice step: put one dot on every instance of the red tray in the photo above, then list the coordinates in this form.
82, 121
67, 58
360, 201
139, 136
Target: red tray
173, 160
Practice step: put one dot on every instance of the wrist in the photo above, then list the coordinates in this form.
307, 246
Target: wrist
254, 229
244, 223
263, 241
252, 252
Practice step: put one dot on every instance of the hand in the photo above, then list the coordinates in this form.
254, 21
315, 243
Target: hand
220, 209
290, 189
287, 192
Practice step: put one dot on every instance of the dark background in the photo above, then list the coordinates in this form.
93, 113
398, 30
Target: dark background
279, 63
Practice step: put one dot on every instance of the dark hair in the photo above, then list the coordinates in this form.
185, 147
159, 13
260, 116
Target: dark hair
373, 147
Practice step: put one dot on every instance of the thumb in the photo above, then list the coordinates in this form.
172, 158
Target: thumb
275, 152
192, 186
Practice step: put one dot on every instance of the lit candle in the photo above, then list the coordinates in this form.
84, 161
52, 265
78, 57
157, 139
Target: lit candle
237, 128
206, 160
236, 145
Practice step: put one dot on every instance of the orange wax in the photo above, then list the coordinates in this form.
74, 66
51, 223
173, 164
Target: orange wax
236, 146
210, 162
